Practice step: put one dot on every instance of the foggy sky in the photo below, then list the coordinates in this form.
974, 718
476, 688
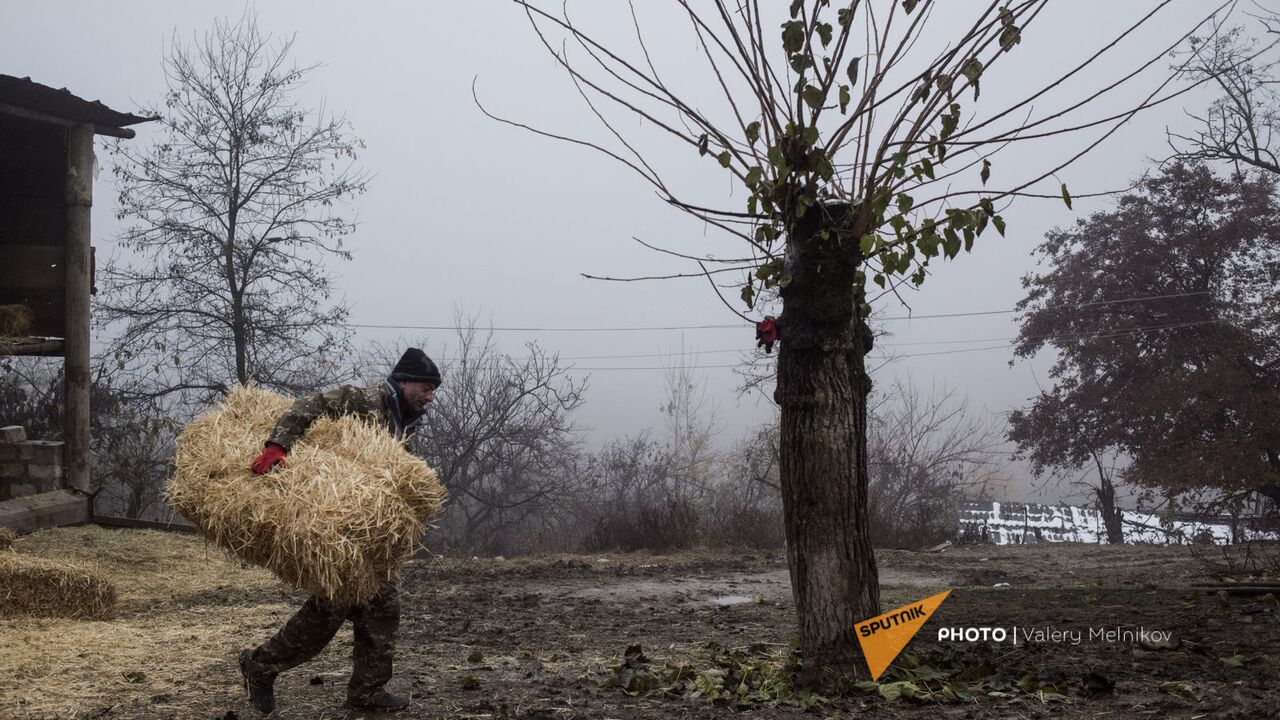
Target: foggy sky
463, 212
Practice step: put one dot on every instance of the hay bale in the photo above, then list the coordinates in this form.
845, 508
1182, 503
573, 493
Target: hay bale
47, 588
7, 537
15, 320
337, 522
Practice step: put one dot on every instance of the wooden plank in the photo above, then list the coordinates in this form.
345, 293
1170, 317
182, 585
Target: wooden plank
44, 510
30, 346
31, 267
119, 522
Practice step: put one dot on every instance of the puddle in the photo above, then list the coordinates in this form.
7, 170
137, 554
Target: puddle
730, 600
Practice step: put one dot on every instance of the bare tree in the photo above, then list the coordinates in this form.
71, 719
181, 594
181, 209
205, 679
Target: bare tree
641, 492
928, 453
131, 440
233, 210
1240, 126
863, 157
635, 497
132, 455
31, 395
691, 422
746, 506
501, 436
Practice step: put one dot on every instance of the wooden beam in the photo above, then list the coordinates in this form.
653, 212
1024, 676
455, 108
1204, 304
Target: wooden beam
44, 510
30, 346
76, 336
16, 111
119, 522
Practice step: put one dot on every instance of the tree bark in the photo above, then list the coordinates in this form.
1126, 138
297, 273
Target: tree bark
822, 391
1112, 518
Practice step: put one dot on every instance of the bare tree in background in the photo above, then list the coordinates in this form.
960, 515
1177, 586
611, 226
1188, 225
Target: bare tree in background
863, 153
691, 421
132, 455
653, 493
1239, 127
233, 210
746, 506
131, 441
929, 452
501, 436
634, 497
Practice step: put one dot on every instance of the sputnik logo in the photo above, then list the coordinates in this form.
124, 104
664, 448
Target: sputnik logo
884, 636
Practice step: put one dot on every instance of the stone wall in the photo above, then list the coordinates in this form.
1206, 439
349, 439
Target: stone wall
27, 466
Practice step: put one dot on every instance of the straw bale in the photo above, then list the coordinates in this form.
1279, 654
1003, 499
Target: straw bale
338, 521
15, 320
42, 587
7, 536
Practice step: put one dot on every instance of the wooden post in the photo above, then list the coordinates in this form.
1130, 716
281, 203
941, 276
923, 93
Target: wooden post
79, 187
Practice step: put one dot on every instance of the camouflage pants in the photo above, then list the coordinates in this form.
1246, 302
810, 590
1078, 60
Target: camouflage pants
314, 625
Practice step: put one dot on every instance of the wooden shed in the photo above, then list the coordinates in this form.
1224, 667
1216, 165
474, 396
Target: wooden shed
46, 266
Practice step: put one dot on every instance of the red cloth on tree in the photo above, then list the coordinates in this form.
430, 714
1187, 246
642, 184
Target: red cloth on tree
767, 333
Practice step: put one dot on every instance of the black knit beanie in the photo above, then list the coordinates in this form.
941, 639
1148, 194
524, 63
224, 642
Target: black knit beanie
415, 366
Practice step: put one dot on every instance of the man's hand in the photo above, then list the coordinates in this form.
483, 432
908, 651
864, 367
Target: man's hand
271, 456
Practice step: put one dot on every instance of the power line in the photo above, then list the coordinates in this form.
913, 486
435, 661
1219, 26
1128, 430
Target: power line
739, 326
555, 329
1105, 333
1051, 307
1010, 339
1119, 332
873, 357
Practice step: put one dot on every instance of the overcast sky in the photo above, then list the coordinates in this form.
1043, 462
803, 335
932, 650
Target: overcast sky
465, 212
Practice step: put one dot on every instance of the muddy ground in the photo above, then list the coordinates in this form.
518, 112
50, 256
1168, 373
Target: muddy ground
545, 638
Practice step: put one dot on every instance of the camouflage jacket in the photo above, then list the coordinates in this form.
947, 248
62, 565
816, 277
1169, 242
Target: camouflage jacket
380, 404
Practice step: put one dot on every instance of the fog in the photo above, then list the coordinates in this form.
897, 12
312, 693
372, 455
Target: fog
468, 215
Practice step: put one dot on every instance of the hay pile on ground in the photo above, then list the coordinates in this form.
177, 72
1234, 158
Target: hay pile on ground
15, 320
48, 588
337, 522
7, 537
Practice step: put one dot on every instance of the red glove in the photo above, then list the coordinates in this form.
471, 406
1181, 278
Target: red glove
271, 456
767, 333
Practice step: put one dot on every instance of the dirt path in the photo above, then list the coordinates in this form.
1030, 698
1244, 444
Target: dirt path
543, 637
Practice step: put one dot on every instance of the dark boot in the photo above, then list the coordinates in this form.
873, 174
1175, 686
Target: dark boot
258, 682
381, 701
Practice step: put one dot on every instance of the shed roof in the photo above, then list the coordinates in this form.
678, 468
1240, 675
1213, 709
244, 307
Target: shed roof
27, 98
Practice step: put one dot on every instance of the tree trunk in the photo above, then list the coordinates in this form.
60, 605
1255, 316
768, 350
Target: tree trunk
239, 333
822, 391
133, 502
1112, 517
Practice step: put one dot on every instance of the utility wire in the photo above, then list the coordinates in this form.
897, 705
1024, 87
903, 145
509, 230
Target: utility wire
1050, 336
1106, 333
747, 325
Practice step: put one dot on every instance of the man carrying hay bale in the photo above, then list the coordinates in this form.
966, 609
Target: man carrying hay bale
397, 404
